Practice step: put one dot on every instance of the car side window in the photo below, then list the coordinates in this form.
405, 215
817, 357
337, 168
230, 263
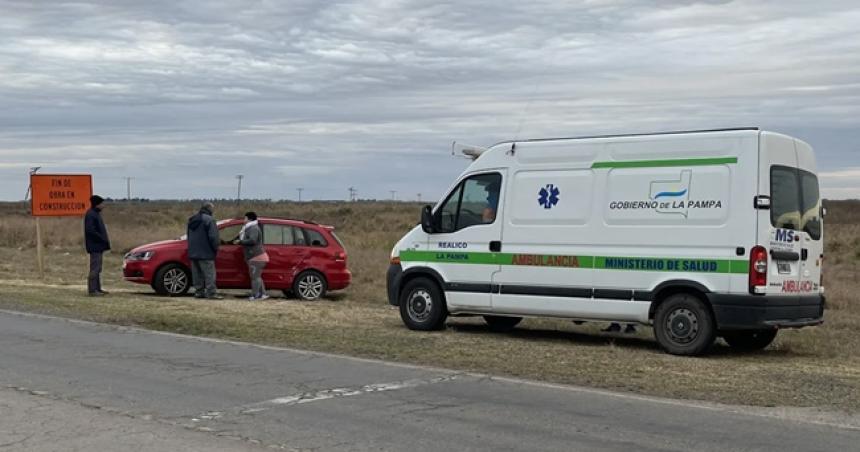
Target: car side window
229, 233
315, 238
474, 202
277, 234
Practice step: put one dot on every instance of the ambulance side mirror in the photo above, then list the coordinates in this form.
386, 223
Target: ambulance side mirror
427, 220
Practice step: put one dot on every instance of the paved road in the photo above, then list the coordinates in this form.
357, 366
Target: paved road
267, 397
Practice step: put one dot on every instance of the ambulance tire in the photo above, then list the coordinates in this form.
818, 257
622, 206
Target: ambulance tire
750, 340
500, 324
422, 305
683, 325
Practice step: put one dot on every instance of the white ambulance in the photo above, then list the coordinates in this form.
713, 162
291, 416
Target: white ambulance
700, 234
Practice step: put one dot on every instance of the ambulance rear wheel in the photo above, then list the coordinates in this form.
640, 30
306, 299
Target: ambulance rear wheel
422, 305
750, 340
501, 324
683, 325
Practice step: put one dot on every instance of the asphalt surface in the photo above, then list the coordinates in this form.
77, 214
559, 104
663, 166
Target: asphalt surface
130, 389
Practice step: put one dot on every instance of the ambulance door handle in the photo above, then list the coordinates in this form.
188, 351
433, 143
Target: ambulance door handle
496, 246
804, 254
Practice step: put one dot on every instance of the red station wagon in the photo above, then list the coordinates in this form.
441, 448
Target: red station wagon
306, 260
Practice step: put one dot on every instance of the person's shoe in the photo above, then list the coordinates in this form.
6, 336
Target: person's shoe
96, 294
263, 297
103, 292
612, 328
199, 295
215, 297
630, 329
253, 298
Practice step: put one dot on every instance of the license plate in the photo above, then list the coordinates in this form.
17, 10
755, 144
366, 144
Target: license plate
784, 268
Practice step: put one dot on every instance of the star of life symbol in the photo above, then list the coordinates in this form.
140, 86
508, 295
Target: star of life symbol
548, 196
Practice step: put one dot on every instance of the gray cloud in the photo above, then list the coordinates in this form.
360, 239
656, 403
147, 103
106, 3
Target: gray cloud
183, 95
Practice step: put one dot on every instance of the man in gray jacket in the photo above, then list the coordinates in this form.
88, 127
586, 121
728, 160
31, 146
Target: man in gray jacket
203, 241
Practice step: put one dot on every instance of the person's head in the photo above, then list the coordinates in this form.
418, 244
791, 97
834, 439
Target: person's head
97, 202
208, 207
250, 216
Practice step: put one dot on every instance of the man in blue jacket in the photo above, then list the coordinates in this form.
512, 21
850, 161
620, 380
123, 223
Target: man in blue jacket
97, 242
203, 241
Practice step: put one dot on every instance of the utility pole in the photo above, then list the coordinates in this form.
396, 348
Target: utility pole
300, 193
33, 171
128, 188
40, 255
353, 194
239, 192
393, 195
419, 197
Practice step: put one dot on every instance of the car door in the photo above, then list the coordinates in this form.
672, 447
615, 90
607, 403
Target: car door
230, 266
811, 233
466, 247
285, 254
779, 226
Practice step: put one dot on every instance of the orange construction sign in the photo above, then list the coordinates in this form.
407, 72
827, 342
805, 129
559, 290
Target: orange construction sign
60, 195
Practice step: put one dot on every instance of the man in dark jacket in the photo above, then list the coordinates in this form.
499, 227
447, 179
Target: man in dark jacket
203, 241
97, 242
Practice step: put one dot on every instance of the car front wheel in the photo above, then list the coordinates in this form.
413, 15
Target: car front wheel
172, 279
422, 306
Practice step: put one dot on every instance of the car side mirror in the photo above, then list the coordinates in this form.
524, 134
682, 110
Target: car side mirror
427, 220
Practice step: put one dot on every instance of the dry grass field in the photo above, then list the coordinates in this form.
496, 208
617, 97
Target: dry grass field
813, 367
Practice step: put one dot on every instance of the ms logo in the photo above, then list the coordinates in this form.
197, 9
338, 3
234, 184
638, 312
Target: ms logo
672, 195
548, 196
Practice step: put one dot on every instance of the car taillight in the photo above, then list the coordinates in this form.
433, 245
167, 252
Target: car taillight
758, 270
340, 256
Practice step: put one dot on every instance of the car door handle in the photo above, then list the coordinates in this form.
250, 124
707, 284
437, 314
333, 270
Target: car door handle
496, 246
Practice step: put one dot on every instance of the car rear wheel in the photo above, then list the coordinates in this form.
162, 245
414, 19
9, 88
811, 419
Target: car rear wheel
750, 340
683, 325
172, 280
501, 324
310, 285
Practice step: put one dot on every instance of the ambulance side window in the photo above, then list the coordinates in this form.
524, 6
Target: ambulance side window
475, 201
785, 198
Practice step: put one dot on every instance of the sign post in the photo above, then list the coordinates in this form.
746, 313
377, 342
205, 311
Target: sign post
57, 195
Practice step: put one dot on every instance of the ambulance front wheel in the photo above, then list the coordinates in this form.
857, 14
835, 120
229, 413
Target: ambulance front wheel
422, 305
684, 325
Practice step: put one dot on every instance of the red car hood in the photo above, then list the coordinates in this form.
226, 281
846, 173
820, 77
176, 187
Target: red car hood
155, 246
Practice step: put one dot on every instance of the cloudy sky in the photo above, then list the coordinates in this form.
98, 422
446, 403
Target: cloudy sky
182, 95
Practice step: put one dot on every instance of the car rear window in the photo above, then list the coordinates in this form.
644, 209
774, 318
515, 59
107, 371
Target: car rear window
811, 205
785, 197
795, 200
337, 239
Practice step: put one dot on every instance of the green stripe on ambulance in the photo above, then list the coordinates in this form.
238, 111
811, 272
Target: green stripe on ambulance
689, 265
